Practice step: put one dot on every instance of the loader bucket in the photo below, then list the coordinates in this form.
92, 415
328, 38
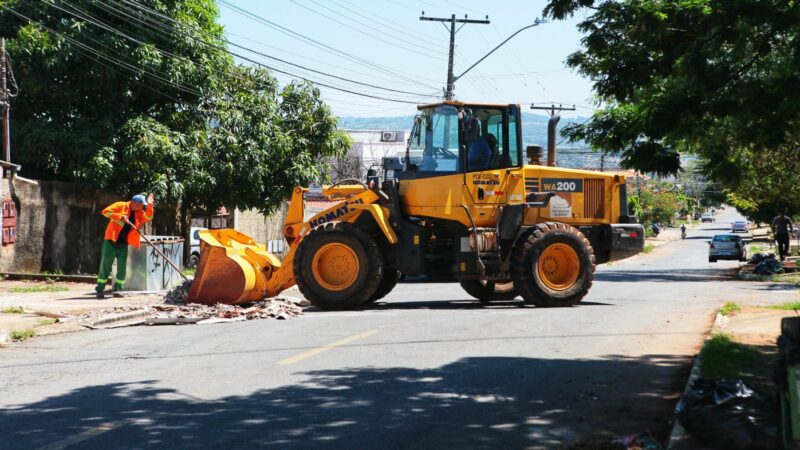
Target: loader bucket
233, 269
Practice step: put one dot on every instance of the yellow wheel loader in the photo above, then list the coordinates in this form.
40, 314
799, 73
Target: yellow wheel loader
462, 206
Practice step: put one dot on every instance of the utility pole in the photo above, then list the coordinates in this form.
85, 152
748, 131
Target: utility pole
5, 101
551, 129
451, 79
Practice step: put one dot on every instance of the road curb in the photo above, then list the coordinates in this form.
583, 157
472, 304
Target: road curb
115, 318
90, 279
678, 432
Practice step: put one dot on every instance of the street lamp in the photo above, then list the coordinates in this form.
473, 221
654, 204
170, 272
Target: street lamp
449, 94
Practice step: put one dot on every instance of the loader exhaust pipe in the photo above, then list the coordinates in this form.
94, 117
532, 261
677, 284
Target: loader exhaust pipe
551, 139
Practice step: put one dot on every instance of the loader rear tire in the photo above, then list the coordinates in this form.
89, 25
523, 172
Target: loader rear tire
490, 291
391, 273
388, 281
337, 266
553, 265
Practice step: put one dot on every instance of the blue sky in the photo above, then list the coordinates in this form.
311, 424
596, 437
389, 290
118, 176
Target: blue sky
383, 43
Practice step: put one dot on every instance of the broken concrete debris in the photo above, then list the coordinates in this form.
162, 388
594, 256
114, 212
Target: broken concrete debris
175, 311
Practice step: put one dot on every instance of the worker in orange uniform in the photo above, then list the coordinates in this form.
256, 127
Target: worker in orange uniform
120, 234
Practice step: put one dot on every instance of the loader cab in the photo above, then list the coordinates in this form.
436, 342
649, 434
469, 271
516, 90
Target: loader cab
451, 137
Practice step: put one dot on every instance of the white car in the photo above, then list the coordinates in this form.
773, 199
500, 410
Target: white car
726, 246
194, 243
740, 225
707, 217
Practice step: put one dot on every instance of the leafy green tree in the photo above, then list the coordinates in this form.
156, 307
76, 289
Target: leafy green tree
656, 204
768, 185
82, 81
717, 78
124, 99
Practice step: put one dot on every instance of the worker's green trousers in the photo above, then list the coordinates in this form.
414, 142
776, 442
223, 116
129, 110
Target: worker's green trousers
108, 254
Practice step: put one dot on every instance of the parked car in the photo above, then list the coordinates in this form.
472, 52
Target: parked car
194, 244
726, 246
707, 217
740, 225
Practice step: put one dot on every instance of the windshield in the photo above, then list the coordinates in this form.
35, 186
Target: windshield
433, 146
726, 238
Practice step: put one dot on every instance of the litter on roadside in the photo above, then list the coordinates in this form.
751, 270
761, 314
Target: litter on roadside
766, 264
728, 415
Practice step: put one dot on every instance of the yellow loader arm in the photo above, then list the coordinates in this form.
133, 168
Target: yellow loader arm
235, 269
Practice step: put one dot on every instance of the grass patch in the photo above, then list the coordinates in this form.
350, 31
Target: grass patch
785, 277
189, 271
13, 310
21, 335
756, 249
729, 308
648, 248
722, 357
47, 321
785, 306
38, 288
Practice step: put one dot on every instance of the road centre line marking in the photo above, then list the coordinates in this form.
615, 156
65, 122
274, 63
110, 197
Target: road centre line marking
86, 435
327, 347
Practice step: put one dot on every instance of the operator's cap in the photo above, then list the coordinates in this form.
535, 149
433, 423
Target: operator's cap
139, 198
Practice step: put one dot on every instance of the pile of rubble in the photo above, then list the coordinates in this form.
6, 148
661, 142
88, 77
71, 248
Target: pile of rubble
178, 295
274, 308
175, 310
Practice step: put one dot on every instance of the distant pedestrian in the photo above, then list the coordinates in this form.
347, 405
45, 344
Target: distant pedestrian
120, 234
780, 229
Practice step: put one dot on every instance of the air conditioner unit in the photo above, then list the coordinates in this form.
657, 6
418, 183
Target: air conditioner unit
388, 136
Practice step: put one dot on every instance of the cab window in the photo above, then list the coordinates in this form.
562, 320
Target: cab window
486, 139
433, 146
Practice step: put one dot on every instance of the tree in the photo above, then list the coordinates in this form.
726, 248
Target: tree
82, 82
657, 204
768, 184
716, 78
144, 97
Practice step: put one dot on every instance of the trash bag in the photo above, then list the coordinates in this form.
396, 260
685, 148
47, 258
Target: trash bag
768, 265
757, 258
728, 415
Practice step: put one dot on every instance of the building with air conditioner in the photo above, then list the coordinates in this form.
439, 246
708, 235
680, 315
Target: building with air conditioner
367, 149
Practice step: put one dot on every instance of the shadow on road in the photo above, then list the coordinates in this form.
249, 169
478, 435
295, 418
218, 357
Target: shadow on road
457, 305
680, 275
478, 402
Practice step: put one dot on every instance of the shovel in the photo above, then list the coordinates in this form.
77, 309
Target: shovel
160, 253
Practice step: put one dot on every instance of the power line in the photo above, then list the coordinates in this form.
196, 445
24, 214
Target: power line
288, 62
315, 43
431, 39
358, 30
385, 25
101, 55
144, 8
279, 49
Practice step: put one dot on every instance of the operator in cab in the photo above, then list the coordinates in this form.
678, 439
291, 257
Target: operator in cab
481, 152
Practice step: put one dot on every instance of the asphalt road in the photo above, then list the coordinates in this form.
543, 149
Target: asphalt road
428, 368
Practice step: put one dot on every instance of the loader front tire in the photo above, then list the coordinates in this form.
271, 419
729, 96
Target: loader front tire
553, 265
337, 266
490, 291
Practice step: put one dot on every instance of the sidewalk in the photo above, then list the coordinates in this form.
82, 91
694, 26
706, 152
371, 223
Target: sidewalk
28, 308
